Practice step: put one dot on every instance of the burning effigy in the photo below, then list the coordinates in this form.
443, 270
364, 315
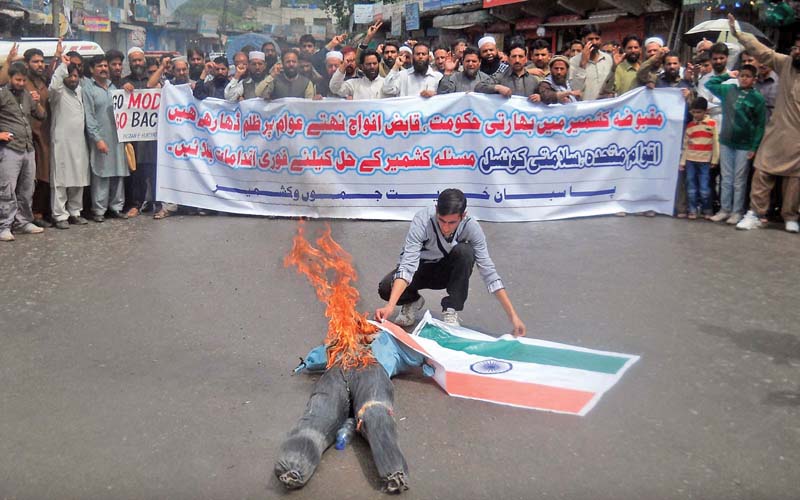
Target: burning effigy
353, 382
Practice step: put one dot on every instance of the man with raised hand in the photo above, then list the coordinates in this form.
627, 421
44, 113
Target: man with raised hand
467, 79
419, 80
368, 86
515, 80
779, 152
589, 71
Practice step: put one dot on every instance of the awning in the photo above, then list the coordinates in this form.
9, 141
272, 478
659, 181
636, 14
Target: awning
583, 22
463, 20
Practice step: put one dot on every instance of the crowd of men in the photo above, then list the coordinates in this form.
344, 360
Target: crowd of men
58, 134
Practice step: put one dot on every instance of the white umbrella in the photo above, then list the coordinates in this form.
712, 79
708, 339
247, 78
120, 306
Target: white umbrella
718, 30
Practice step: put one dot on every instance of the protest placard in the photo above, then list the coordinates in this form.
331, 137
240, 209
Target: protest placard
136, 114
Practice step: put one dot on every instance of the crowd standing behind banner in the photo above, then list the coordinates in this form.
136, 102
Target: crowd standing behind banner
44, 164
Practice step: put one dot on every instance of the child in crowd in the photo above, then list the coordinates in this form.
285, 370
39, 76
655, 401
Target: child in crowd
744, 112
700, 154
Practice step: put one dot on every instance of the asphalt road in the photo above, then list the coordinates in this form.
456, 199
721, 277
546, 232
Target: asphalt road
150, 359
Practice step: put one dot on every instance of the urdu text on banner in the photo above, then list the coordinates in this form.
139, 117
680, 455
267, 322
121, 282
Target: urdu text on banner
514, 160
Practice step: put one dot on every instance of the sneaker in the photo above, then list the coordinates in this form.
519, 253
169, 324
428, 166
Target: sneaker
721, 216
749, 221
395, 483
62, 224
42, 223
792, 226
30, 228
450, 317
408, 312
734, 219
6, 235
77, 220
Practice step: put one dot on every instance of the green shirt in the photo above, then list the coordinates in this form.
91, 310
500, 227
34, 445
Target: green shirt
744, 113
625, 77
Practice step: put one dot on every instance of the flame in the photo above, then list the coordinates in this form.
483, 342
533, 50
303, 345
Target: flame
330, 270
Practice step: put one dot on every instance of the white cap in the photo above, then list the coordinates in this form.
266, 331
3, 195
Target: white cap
487, 39
654, 39
133, 50
335, 54
405, 48
257, 55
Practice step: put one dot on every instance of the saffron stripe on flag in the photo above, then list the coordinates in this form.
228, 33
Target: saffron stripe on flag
518, 351
515, 393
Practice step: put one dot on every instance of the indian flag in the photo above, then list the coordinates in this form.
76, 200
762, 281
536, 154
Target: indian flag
523, 372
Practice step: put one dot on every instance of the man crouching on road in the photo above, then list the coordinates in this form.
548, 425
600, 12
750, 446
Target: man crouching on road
442, 246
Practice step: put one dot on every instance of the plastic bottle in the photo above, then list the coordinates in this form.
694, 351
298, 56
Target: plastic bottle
345, 433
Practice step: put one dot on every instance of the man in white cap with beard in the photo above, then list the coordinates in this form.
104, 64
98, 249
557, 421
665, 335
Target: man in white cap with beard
490, 59
333, 59
245, 88
419, 80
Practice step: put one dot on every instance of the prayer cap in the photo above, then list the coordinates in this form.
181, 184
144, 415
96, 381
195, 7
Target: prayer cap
334, 53
133, 50
654, 39
257, 55
487, 39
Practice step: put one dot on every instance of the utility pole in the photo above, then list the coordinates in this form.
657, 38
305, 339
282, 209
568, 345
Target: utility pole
56, 7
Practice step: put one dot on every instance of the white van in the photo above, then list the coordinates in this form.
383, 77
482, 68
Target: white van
48, 47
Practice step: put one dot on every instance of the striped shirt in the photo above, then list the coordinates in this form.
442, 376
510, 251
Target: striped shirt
701, 142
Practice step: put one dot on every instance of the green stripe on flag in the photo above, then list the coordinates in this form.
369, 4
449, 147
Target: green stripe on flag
510, 350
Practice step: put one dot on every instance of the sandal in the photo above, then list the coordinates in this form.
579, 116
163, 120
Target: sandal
161, 214
133, 212
692, 216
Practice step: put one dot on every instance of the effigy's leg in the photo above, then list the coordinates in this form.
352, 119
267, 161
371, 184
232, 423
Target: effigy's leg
373, 399
327, 409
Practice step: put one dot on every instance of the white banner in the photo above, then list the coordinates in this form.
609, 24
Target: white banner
516, 161
362, 13
136, 114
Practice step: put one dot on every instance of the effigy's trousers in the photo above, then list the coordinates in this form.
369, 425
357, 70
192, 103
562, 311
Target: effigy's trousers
371, 394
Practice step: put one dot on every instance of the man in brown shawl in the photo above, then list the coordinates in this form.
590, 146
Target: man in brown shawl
779, 153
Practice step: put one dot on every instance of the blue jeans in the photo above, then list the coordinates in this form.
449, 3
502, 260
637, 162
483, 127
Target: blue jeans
734, 166
698, 178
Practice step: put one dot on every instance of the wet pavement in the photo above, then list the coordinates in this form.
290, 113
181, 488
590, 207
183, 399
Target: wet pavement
151, 359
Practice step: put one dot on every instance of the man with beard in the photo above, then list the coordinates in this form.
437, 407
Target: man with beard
17, 160
625, 73
391, 49
197, 62
555, 87
589, 71
306, 68
490, 60
179, 76
106, 154
245, 88
466, 80
270, 54
115, 60
69, 163
515, 80
333, 60
286, 81
216, 86
351, 70
671, 76
539, 64
779, 153
139, 186
420, 79
37, 82
368, 86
